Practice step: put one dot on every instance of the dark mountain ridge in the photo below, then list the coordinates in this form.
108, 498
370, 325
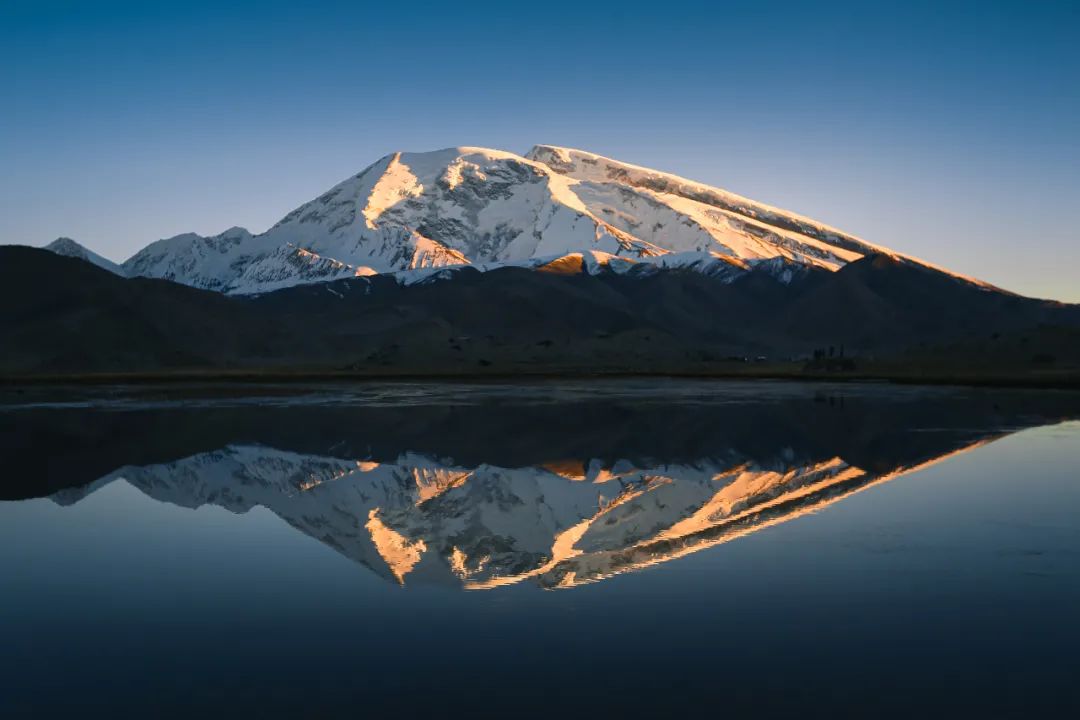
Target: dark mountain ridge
63, 316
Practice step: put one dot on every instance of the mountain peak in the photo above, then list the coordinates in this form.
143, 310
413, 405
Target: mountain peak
415, 212
69, 248
66, 246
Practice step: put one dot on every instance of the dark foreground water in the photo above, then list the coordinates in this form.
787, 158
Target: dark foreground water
613, 549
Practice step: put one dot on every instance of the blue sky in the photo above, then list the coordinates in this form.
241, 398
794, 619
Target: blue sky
946, 130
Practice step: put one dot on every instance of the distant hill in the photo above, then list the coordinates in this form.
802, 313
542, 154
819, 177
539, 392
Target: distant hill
63, 315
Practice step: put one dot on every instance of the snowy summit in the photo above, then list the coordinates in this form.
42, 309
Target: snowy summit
417, 213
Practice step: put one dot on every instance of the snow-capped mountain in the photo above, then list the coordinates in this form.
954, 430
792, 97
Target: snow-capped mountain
559, 524
69, 248
557, 208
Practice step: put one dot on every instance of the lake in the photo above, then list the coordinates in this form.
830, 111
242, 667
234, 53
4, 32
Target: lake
609, 547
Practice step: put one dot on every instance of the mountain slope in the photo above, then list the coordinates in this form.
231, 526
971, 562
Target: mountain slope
415, 213
69, 248
745, 228
693, 216
62, 315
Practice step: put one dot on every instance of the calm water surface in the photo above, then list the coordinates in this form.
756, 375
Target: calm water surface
630, 548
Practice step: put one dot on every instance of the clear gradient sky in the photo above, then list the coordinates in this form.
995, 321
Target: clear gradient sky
947, 130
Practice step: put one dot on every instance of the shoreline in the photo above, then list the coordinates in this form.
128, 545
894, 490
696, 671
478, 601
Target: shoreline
1060, 380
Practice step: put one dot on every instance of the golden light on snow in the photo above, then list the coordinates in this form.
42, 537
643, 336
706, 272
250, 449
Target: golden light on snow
401, 555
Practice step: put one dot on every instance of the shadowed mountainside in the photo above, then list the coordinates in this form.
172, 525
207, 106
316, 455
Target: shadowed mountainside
61, 315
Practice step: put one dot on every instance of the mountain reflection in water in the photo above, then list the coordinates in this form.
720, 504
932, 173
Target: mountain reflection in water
416, 519
478, 489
